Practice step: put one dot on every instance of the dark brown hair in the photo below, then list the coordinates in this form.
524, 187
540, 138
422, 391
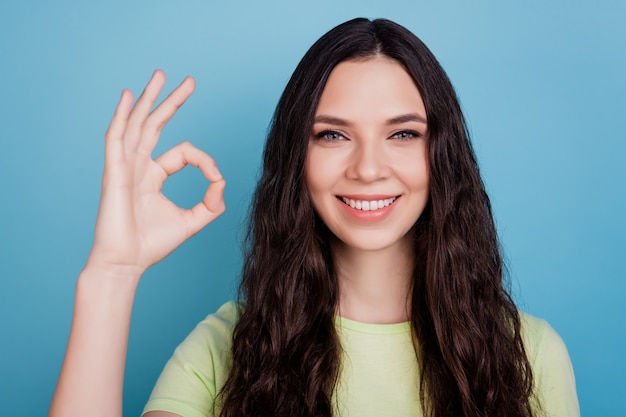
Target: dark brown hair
285, 357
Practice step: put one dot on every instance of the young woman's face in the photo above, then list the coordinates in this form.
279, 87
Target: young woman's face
367, 162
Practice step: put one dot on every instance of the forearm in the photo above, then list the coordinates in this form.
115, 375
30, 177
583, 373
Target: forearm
92, 376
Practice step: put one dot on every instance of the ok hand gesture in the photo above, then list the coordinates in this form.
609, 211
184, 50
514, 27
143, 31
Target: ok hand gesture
137, 226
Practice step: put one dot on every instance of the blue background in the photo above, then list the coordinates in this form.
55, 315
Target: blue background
543, 85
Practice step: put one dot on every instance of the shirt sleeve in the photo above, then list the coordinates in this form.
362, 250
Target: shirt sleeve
192, 378
555, 384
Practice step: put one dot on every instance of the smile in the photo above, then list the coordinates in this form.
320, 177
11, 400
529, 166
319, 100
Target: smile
368, 205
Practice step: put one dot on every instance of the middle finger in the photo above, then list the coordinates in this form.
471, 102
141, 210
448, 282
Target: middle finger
163, 113
142, 109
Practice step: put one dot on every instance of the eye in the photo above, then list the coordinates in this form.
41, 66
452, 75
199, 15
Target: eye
329, 136
406, 135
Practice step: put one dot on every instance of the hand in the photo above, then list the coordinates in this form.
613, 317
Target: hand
137, 226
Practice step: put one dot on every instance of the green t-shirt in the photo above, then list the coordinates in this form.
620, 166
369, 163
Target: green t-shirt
379, 374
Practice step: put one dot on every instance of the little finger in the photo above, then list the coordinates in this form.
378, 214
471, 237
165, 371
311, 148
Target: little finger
115, 132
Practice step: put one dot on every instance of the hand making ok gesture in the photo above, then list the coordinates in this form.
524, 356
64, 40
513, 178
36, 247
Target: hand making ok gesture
137, 226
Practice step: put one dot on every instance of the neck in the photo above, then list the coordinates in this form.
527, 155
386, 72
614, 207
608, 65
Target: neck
374, 286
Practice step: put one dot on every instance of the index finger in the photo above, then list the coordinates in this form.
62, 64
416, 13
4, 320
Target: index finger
185, 154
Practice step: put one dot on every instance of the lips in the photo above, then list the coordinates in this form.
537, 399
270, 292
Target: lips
369, 204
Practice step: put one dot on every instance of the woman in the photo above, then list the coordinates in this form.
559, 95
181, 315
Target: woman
373, 283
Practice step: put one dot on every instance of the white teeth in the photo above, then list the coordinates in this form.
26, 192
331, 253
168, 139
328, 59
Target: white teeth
368, 205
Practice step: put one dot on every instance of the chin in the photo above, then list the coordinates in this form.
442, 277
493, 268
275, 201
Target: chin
373, 242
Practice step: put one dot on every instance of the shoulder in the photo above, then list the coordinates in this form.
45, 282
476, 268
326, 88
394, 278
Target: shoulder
553, 374
209, 343
222, 321
540, 338
197, 370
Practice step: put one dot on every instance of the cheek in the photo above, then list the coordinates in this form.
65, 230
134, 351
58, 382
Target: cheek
314, 177
422, 175
412, 169
318, 171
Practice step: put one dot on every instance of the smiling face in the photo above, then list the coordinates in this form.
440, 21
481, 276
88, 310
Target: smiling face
367, 162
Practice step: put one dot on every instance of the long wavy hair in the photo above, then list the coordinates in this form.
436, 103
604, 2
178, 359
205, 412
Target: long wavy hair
286, 353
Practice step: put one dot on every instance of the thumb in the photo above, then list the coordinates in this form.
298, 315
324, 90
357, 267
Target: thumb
210, 208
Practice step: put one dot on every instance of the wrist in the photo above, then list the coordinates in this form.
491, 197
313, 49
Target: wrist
115, 275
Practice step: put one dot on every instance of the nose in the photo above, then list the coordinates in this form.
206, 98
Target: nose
368, 162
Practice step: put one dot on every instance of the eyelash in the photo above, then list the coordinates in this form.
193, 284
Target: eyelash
325, 133
406, 135
413, 135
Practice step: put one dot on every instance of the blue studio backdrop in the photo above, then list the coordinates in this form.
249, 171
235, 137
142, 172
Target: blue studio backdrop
543, 85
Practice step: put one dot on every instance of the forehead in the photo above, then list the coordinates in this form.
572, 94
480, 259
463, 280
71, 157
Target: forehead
377, 86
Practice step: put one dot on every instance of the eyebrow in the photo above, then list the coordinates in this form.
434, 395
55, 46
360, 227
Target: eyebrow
336, 121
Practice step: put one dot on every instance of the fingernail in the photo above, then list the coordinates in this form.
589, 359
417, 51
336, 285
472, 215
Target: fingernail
216, 172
